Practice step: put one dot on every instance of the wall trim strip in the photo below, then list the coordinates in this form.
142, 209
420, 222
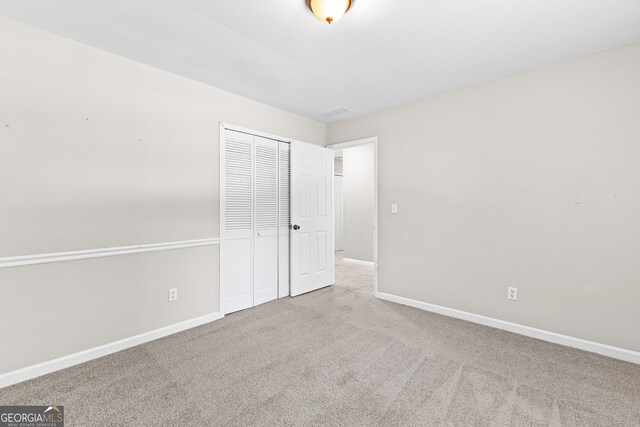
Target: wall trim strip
358, 261
593, 347
15, 261
48, 367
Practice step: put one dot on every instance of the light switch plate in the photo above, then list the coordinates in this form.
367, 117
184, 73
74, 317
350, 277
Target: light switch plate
394, 208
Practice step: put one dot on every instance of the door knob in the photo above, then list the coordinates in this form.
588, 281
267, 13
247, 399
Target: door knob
296, 227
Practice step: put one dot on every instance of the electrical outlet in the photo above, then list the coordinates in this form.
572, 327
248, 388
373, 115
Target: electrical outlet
512, 293
173, 294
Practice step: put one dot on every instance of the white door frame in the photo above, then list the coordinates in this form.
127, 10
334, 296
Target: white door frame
221, 166
349, 144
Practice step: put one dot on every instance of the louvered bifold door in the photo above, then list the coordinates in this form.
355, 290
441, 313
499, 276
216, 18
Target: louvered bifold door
236, 261
283, 220
265, 254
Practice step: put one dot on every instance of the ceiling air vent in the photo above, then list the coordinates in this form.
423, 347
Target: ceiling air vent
335, 112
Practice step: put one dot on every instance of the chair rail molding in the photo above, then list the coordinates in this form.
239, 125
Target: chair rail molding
21, 260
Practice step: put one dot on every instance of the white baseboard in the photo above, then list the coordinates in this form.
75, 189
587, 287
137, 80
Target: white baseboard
594, 347
44, 368
358, 261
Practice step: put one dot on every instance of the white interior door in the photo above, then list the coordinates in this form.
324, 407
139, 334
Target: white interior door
311, 217
265, 257
338, 212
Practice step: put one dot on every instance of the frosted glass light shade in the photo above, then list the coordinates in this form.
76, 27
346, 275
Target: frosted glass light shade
329, 10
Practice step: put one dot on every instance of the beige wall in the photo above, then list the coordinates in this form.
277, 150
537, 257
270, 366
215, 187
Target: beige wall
98, 151
357, 196
528, 181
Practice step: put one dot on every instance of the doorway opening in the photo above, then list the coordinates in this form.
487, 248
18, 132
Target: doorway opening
355, 214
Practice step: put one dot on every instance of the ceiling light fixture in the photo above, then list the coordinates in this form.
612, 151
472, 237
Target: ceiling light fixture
329, 10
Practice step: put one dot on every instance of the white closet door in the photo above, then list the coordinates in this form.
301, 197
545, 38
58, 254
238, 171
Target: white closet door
284, 216
311, 217
236, 261
265, 260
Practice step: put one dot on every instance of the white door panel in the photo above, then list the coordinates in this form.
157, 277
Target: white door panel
284, 217
265, 281
322, 238
338, 214
283, 271
236, 260
265, 264
311, 217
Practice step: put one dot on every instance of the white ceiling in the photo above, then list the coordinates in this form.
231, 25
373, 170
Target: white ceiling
382, 53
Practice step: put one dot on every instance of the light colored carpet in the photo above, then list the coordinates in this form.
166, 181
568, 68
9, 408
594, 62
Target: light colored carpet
338, 356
